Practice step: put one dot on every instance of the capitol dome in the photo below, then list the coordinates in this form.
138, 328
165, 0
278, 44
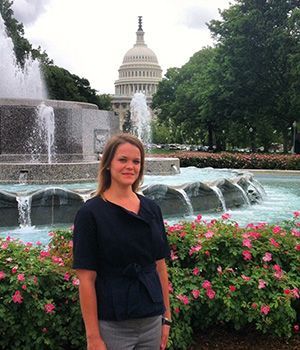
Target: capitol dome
139, 71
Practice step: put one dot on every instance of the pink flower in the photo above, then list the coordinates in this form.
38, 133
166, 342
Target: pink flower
196, 271
274, 243
247, 243
195, 249
295, 292
232, 288
170, 287
267, 257
210, 293
21, 277
198, 218
261, 284
297, 247
276, 229
4, 245
173, 255
206, 284
254, 235
254, 306
196, 293
219, 269
287, 291
57, 260
276, 267
75, 282
278, 271
67, 276
295, 232
49, 308
296, 328
38, 243
182, 234
226, 216
17, 297
246, 278
29, 244
2, 275
24, 287
177, 310
247, 255
209, 234
183, 298
296, 214
14, 269
265, 309
44, 254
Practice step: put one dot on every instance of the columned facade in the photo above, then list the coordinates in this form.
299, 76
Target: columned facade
139, 72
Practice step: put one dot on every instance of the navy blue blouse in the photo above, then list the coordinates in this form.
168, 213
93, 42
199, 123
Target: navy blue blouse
122, 247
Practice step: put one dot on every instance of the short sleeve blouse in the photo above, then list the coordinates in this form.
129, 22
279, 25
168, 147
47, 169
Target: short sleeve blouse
122, 247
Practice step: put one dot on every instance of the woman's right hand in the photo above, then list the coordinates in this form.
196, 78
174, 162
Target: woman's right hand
96, 344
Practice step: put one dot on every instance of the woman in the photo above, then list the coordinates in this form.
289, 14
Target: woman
120, 247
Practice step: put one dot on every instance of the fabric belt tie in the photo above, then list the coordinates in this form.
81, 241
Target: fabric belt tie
135, 275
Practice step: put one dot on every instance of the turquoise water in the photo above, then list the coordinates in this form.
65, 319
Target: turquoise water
282, 199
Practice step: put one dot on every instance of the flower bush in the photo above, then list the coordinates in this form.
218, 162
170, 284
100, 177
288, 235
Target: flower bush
238, 160
220, 274
224, 274
39, 307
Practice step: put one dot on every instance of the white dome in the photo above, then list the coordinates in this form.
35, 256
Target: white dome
140, 53
139, 70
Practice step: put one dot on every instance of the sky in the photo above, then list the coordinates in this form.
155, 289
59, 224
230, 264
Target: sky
90, 37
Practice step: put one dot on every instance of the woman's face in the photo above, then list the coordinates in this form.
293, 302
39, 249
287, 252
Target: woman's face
125, 166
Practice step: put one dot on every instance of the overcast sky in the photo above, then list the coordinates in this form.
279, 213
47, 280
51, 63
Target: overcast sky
90, 37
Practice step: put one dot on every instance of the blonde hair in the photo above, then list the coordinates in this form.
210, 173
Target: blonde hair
104, 177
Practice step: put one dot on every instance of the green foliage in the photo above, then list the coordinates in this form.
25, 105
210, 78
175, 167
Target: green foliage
62, 85
39, 307
238, 160
220, 273
223, 274
245, 90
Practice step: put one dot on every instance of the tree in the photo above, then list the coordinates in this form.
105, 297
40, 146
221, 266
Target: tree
257, 42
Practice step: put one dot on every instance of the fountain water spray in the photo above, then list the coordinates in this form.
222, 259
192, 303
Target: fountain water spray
141, 118
18, 82
26, 82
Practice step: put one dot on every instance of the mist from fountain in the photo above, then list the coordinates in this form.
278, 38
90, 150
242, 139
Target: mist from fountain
18, 82
141, 118
26, 83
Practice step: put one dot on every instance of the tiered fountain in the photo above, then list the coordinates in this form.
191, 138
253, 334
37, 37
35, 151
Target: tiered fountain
45, 142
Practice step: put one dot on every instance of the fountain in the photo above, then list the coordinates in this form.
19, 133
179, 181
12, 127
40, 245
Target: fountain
41, 140
141, 118
47, 142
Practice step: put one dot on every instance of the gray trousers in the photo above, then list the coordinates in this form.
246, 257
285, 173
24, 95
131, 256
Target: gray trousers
137, 334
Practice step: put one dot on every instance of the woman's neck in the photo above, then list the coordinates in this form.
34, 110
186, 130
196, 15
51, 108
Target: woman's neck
118, 192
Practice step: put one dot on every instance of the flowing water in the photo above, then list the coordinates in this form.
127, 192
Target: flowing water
281, 199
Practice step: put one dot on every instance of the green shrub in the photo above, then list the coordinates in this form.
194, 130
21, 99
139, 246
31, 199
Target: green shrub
39, 306
238, 160
220, 273
225, 274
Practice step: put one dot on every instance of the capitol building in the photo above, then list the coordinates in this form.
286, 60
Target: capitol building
139, 72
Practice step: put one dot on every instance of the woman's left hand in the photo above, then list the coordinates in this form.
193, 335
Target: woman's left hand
164, 336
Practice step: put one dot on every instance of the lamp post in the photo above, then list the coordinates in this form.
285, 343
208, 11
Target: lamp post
294, 136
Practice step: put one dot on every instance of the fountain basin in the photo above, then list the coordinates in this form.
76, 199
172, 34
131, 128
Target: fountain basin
81, 131
44, 173
58, 204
